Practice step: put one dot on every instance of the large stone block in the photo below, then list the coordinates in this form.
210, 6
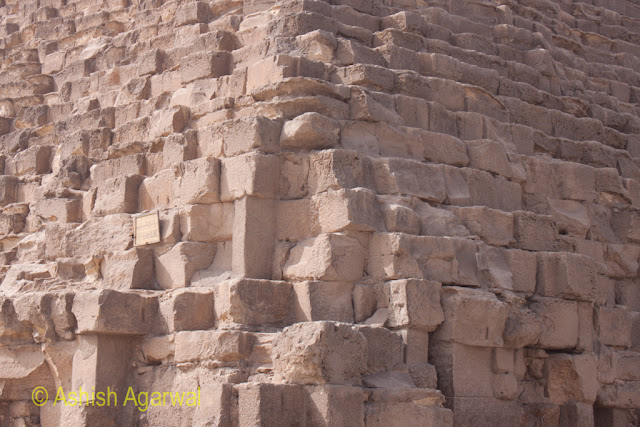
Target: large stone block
207, 223
351, 209
131, 269
250, 175
203, 65
330, 257
8, 186
399, 176
415, 304
175, 268
338, 169
560, 322
320, 353
197, 181
187, 309
571, 378
32, 161
243, 135
252, 302
472, 317
323, 301
254, 232
535, 232
613, 326
113, 312
117, 195
566, 275
224, 346
310, 131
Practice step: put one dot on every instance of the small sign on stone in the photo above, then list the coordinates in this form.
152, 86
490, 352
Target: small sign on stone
146, 229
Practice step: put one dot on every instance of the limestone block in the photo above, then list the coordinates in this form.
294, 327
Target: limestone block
165, 122
156, 191
320, 353
566, 275
442, 148
246, 134
187, 309
560, 322
486, 411
372, 106
523, 267
456, 188
571, 216
399, 218
58, 210
490, 156
48, 315
367, 75
254, 232
384, 348
440, 222
225, 346
192, 13
576, 181
326, 257
100, 363
463, 371
337, 169
613, 326
472, 317
424, 375
416, 345
175, 268
150, 62
393, 176
294, 176
571, 378
179, 148
249, 174
113, 312
415, 304
407, 414
615, 417
90, 239
535, 232
497, 193
253, 302
117, 195
310, 131
522, 328
205, 65
271, 404
323, 301
294, 220
207, 223
135, 164
32, 161
197, 181
493, 226
8, 186
131, 269
347, 209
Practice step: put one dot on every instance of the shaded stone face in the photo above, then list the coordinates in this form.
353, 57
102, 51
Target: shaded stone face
369, 213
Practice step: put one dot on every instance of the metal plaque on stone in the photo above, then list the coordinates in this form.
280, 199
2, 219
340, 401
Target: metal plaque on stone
146, 229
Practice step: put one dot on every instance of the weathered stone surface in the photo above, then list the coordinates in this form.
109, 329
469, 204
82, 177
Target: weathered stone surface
456, 181
320, 353
472, 317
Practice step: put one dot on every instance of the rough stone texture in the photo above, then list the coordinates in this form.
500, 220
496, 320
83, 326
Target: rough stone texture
372, 213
